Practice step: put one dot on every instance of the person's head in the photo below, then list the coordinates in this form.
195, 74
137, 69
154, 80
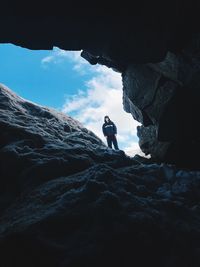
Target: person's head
106, 119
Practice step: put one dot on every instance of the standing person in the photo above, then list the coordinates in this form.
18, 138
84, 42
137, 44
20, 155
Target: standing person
110, 131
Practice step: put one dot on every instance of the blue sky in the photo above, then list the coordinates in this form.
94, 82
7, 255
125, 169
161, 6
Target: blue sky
65, 81
22, 71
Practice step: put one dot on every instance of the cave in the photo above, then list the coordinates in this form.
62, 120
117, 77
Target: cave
65, 200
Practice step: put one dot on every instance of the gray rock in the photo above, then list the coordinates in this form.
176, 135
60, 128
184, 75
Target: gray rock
149, 143
39, 143
139, 86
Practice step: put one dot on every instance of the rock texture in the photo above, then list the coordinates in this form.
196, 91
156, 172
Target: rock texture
164, 97
69, 201
39, 144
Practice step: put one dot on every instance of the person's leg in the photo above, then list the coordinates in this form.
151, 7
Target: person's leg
115, 143
109, 142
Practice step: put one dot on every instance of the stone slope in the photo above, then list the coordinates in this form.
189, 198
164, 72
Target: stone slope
68, 200
38, 144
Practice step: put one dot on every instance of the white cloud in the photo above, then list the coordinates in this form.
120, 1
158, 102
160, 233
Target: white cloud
58, 56
47, 59
133, 148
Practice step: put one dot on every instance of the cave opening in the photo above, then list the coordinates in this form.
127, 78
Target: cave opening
65, 198
65, 81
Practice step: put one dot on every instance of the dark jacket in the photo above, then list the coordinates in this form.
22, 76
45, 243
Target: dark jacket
109, 128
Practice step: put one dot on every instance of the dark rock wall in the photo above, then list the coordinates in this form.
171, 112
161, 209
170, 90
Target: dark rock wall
164, 97
119, 34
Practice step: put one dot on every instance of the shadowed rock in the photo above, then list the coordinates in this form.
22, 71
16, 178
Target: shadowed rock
38, 144
164, 97
67, 200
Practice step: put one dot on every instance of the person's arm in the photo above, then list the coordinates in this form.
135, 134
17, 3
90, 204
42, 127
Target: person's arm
103, 129
115, 128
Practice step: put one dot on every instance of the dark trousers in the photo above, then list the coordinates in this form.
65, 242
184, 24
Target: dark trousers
111, 139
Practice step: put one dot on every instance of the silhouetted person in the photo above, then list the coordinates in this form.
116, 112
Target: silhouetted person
110, 131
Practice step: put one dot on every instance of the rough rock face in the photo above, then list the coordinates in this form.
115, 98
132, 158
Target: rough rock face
68, 201
150, 145
39, 144
164, 97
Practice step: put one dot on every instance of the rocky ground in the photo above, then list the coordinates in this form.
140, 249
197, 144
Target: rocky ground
68, 201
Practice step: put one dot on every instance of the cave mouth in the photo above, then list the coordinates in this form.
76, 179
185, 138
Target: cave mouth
157, 55
65, 81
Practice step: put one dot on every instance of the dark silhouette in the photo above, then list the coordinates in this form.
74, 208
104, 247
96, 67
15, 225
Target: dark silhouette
110, 131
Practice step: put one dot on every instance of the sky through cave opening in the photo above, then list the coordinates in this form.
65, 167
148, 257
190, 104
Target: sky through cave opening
63, 80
